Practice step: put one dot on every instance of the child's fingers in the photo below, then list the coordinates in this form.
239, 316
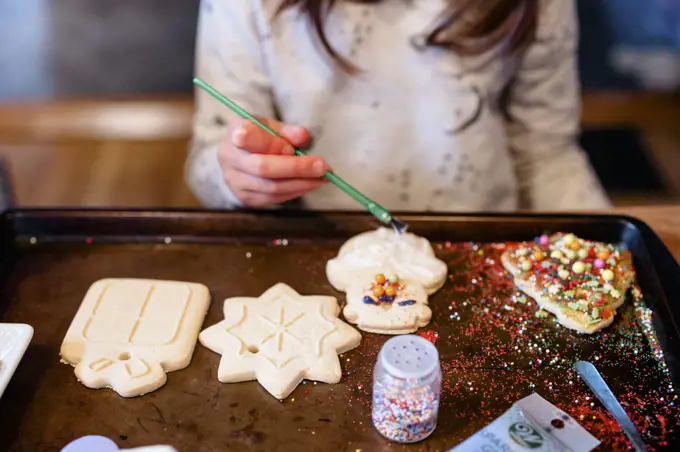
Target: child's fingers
296, 135
256, 192
250, 137
279, 187
252, 199
280, 166
261, 169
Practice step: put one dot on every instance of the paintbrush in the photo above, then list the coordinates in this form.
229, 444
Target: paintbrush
373, 207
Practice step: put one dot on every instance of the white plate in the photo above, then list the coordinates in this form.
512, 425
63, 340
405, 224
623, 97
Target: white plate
14, 339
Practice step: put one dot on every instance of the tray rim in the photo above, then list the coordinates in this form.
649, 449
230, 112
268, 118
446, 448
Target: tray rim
198, 213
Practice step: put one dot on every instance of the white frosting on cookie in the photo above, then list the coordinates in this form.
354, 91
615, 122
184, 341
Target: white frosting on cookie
383, 250
402, 314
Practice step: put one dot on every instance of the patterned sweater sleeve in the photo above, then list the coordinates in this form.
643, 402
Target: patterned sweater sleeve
544, 116
229, 57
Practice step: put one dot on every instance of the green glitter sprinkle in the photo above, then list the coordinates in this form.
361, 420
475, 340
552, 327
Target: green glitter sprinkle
573, 306
541, 314
569, 293
596, 313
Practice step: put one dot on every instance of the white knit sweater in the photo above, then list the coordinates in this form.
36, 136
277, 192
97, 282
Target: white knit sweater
420, 128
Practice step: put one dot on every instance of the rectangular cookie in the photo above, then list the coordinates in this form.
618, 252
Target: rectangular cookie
128, 333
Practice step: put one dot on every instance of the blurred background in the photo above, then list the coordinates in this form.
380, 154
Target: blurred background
95, 99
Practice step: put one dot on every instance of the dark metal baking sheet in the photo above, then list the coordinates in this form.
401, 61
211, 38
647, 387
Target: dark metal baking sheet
49, 259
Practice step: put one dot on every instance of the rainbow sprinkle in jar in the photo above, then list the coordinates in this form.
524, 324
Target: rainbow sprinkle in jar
406, 387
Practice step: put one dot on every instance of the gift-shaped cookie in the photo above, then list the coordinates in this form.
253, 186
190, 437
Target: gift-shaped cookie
128, 333
387, 305
383, 250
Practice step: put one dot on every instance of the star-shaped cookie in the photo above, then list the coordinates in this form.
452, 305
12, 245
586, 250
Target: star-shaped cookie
279, 339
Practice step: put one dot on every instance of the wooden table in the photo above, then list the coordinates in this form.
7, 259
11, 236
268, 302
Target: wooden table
664, 220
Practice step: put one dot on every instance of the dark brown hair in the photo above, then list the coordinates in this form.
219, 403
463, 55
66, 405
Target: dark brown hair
467, 27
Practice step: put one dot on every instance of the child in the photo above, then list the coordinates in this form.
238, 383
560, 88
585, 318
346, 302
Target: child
463, 105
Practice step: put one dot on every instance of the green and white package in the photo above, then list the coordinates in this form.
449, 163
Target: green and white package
531, 425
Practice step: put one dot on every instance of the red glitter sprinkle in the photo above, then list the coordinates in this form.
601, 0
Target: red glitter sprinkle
430, 335
495, 350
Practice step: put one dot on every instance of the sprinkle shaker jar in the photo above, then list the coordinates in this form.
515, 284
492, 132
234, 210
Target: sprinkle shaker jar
407, 383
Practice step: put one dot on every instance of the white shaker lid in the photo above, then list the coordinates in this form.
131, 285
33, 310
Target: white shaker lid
91, 443
409, 356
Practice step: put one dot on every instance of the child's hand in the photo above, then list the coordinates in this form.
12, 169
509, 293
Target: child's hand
261, 170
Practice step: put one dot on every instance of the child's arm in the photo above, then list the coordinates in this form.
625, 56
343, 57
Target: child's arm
233, 163
228, 56
544, 115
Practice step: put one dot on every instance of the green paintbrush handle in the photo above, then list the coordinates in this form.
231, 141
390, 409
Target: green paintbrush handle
374, 208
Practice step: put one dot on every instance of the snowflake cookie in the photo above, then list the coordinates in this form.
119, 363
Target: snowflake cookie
279, 339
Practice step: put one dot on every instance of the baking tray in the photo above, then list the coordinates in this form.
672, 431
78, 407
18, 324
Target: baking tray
49, 258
